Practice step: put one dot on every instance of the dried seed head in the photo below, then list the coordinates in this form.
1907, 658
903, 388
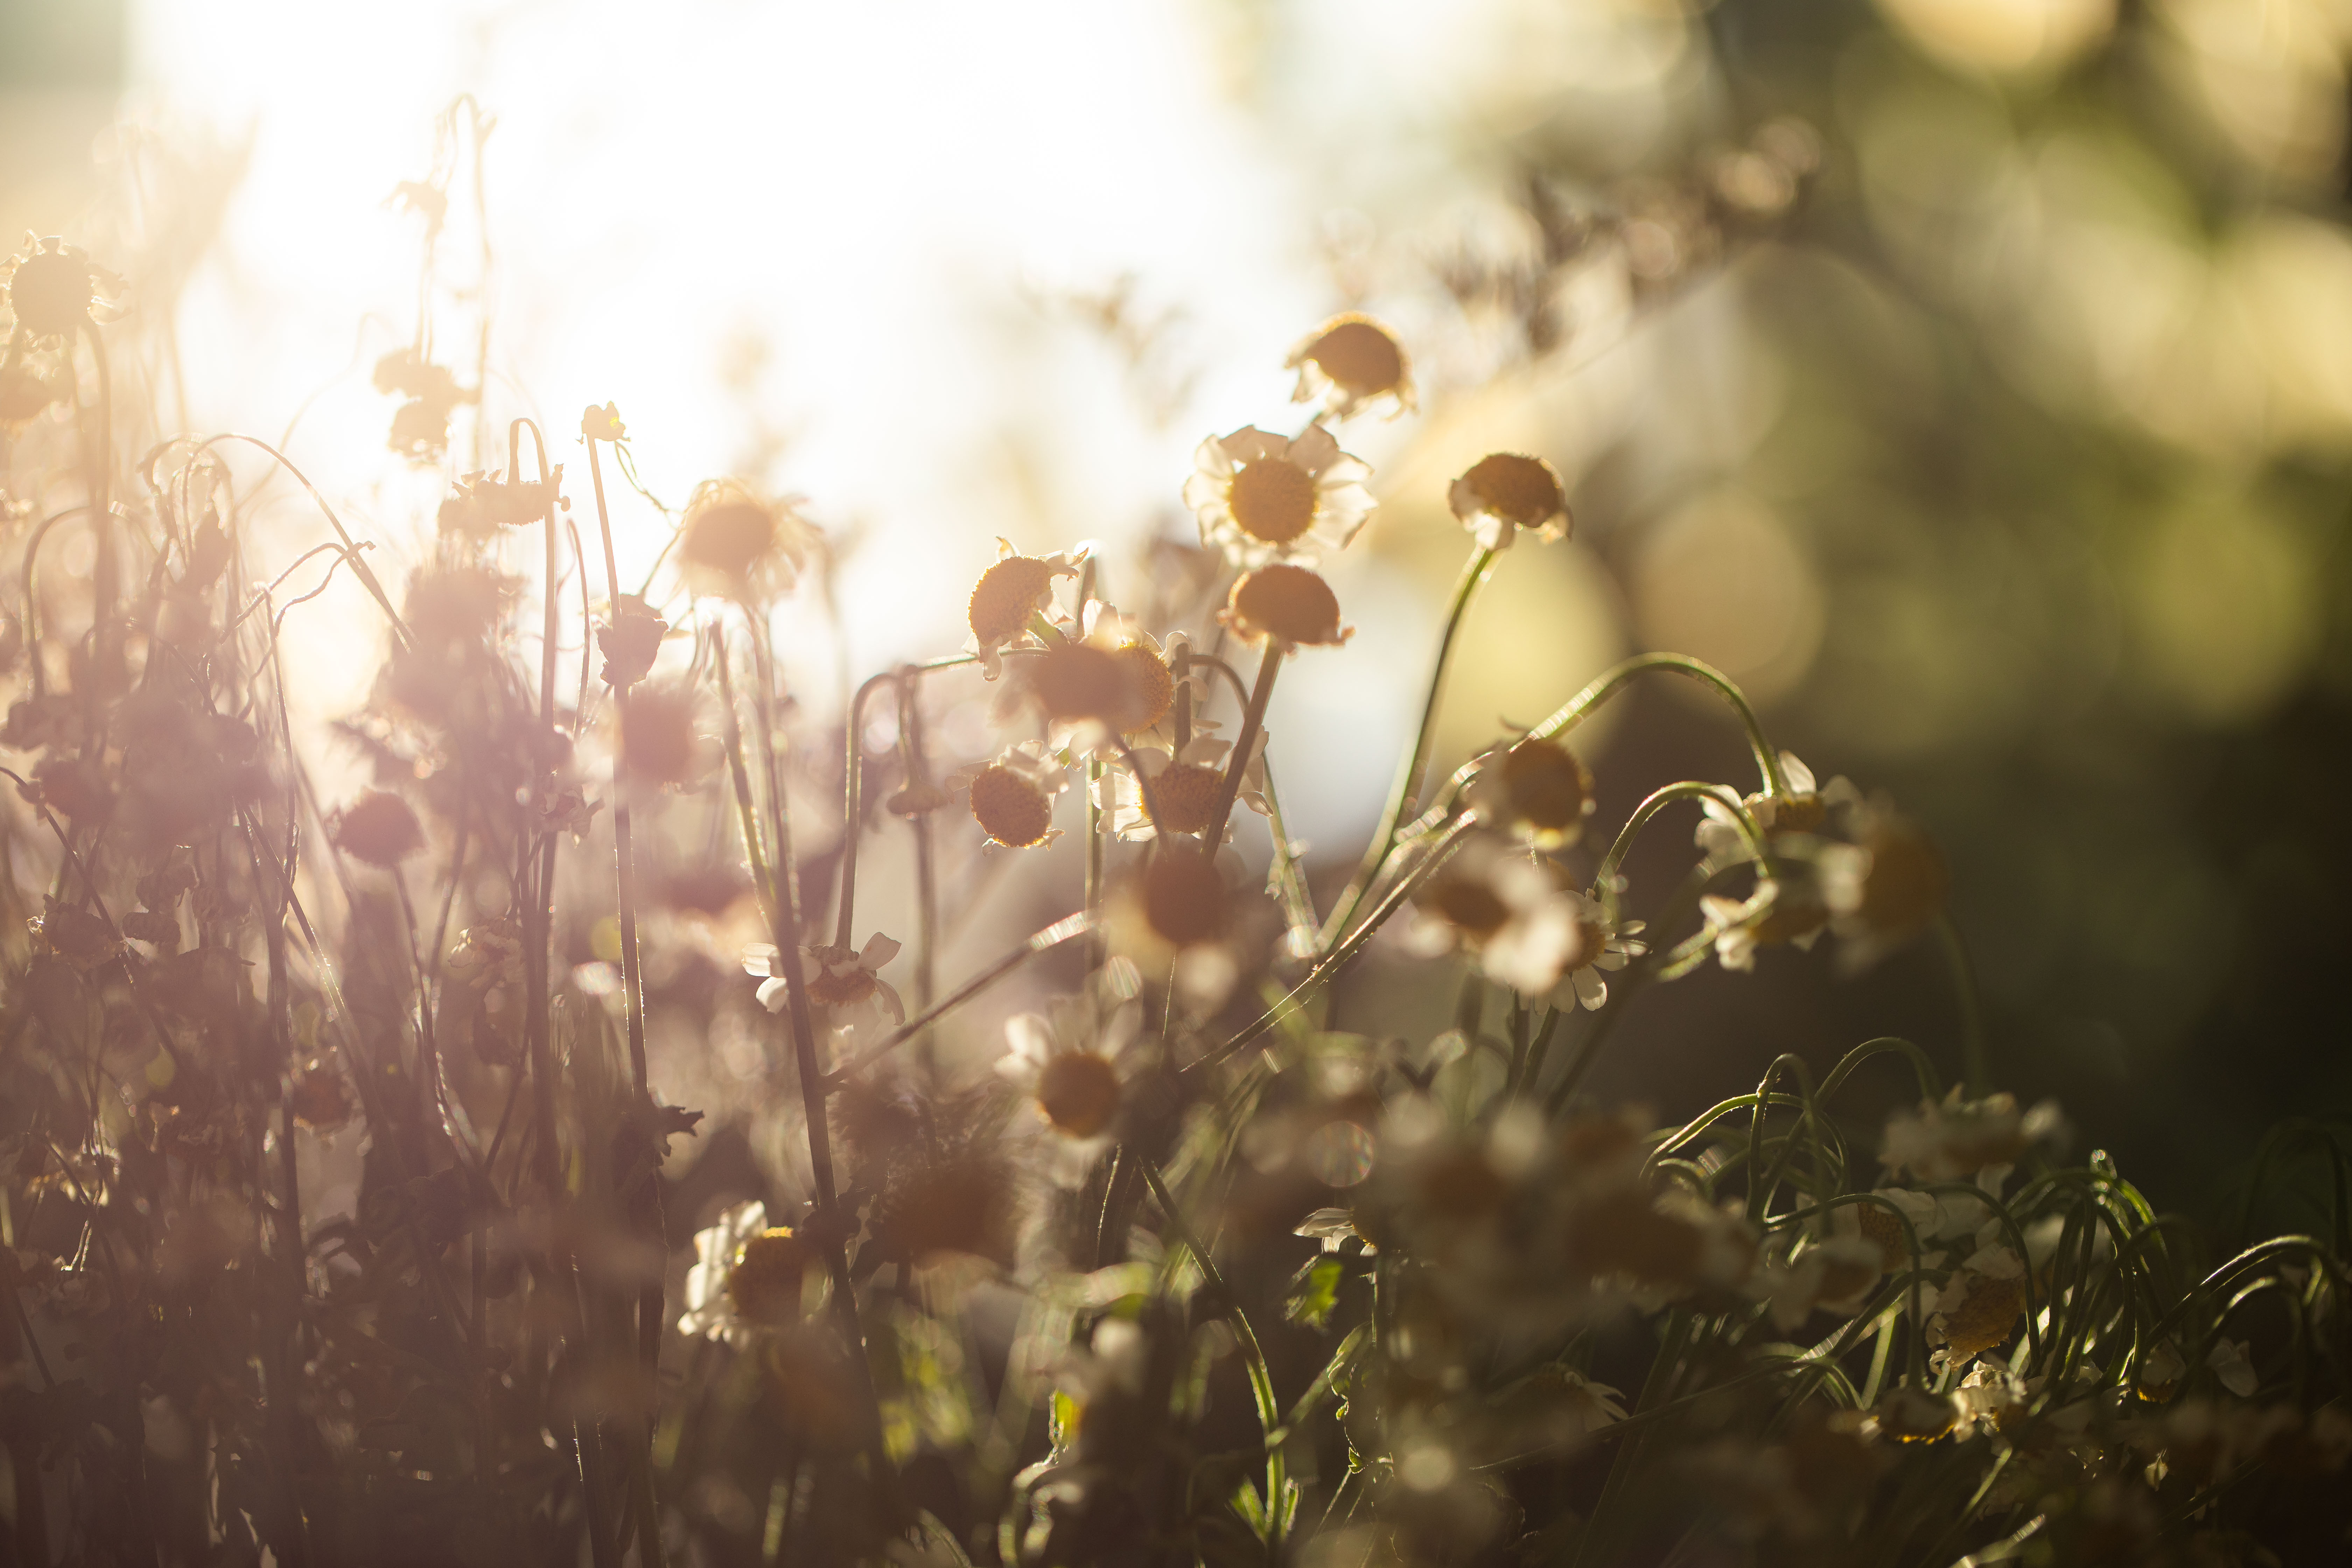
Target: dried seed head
964, 1203
1006, 597
1151, 687
379, 828
765, 1285
1015, 812
1077, 680
1078, 1091
1185, 794
1355, 359
1184, 900
1523, 491
1287, 602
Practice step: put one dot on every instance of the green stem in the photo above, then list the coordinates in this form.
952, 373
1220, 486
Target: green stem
1269, 1411
1964, 984
1408, 779
1269, 665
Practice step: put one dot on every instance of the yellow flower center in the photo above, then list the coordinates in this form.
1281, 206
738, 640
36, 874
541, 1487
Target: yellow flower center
1186, 794
1015, 812
1079, 681
765, 1285
1079, 1093
1798, 812
1524, 489
841, 988
1184, 898
1273, 500
1150, 688
1592, 940
1360, 358
1286, 602
1005, 597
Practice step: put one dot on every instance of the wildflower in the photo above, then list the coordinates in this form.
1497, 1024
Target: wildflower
1147, 669
847, 980
1008, 595
1883, 890
1835, 1275
379, 828
1912, 1414
487, 967
1347, 362
1959, 1138
1179, 911
319, 1097
1261, 498
630, 642
1604, 943
1536, 790
2162, 1369
1076, 683
1990, 1396
53, 286
1977, 1310
1012, 797
602, 424
1182, 788
1802, 809
1504, 492
1288, 603
485, 503
1077, 1088
420, 427
1784, 909
964, 1203
747, 1275
1506, 909
734, 544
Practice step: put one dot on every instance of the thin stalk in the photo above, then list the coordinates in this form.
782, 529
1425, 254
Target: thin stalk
1252, 720
1046, 941
926, 877
98, 461
853, 783
1973, 1065
1408, 779
746, 813
1261, 1379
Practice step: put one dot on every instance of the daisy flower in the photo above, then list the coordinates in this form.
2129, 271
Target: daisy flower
1883, 891
1504, 908
1349, 362
1260, 497
1148, 670
1012, 797
848, 981
1535, 790
735, 545
1075, 1088
1958, 1139
1007, 597
1179, 914
747, 1275
1504, 492
52, 286
1801, 810
1786, 911
1602, 944
1183, 787
1289, 604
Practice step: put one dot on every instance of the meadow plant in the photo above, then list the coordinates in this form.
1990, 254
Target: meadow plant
341, 1218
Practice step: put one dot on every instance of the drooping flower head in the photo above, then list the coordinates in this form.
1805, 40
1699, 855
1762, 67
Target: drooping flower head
1603, 944
846, 981
1349, 362
1012, 797
1884, 888
1508, 909
735, 544
1288, 603
1504, 492
1007, 595
1261, 497
1183, 789
379, 828
1536, 790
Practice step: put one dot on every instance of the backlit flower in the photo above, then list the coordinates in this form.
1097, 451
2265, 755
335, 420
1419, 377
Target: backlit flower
1504, 492
1183, 788
1071, 1073
1008, 596
1883, 889
1506, 909
747, 1275
1957, 1139
1347, 362
52, 286
848, 981
1603, 944
486, 503
734, 543
1261, 497
1803, 810
1012, 797
378, 827
1784, 910
1536, 790
1977, 1310
1287, 604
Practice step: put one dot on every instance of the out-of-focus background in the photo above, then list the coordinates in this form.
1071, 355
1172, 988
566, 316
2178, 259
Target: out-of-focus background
1971, 379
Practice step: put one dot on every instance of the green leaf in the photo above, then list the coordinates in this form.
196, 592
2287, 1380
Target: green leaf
1314, 1292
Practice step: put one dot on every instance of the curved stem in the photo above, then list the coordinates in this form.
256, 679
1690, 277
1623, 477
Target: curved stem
1605, 879
1408, 779
852, 781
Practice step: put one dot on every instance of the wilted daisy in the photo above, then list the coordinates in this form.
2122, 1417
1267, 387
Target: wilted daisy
747, 1275
1183, 789
1260, 497
1603, 944
1536, 790
1504, 492
1978, 1306
848, 981
1883, 889
1801, 810
52, 287
1289, 604
734, 543
485, 503
1012, 797
1008, 595
1506, 909
1071, 1073
1347, 362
